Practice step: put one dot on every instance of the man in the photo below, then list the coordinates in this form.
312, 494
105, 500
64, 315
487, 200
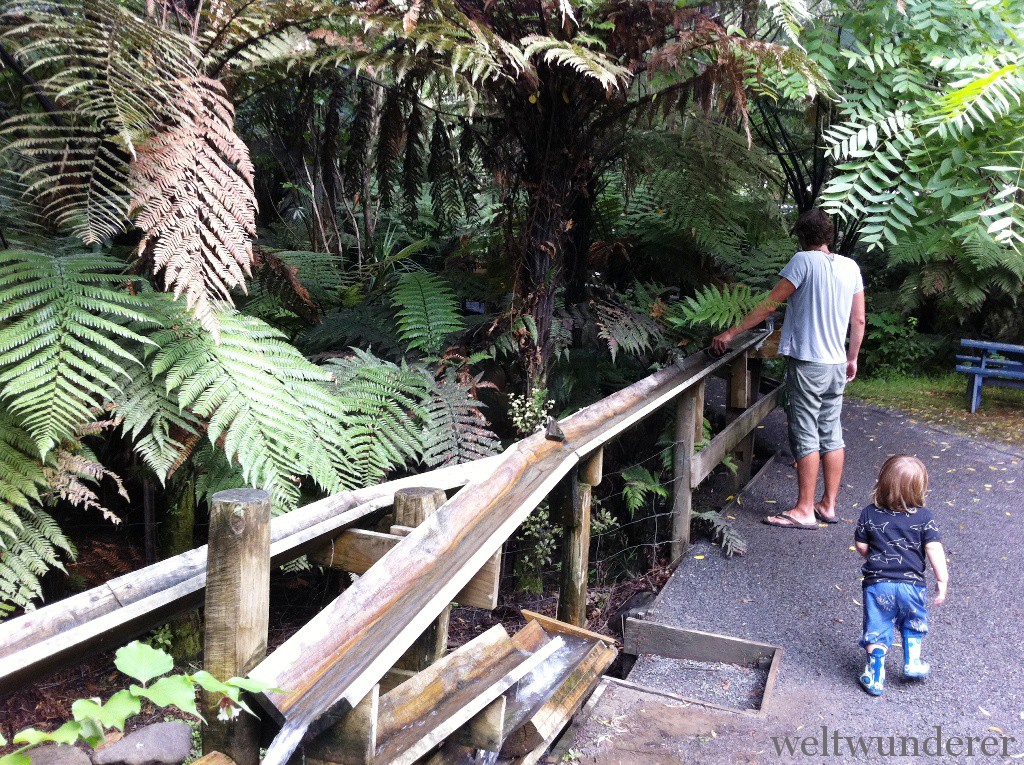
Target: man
826, 298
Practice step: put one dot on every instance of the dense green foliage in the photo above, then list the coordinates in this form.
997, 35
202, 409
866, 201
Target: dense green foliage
264, 244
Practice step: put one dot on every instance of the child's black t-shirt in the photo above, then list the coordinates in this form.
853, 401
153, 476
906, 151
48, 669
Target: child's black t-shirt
896, 541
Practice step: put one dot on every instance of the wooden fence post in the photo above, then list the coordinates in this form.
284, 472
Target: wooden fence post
744, 384
572, 597
412, 507
688, 422
237, 611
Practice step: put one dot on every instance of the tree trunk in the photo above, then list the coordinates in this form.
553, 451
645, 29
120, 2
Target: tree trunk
177, 535
559, 179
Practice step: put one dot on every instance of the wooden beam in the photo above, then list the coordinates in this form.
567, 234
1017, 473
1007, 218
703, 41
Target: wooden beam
356, 550
556, 627
688, 424
556, 712
108, 616
421, 713
643, 637
592, 469
412, 507
572, 591
214, 758
486, 729
237, 613
708, 458
353, 740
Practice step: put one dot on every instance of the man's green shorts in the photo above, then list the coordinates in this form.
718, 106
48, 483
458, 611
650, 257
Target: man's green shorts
814, 403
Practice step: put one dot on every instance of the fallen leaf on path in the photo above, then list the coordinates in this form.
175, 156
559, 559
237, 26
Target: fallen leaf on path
985, 711
698, 557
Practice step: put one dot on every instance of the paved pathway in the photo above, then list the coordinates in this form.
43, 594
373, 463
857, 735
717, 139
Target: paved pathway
801, 590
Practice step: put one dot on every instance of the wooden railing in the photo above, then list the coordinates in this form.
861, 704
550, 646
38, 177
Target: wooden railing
333, 662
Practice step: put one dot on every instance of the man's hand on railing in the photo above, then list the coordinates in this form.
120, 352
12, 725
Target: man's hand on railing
720, 344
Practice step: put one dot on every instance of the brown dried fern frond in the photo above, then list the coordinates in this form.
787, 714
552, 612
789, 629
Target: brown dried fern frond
193, 194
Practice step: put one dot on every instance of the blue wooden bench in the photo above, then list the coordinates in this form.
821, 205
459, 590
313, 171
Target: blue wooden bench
999, 364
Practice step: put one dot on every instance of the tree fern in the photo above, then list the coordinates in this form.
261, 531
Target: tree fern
193, 188
716, 307
624, 328
62, 338
111, 76
457, 431
381, 416
264, 404
427, 311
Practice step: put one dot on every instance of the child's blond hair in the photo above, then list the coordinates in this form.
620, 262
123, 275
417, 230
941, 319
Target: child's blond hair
902, 484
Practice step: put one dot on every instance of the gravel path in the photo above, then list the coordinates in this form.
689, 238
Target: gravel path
801, 590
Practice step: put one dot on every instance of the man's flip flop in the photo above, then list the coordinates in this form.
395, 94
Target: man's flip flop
788, 522
824, 518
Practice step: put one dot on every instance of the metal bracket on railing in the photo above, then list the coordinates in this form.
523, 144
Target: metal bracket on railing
770, 322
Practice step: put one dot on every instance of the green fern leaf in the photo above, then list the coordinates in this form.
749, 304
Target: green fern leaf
427, 311
63, 338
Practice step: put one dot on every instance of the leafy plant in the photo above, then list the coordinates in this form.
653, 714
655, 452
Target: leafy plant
427, 312
149, 667
893, 347
536, 550
529, 412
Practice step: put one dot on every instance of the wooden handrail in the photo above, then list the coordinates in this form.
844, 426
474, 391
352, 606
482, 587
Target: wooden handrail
107, 616
333, 661
330, 664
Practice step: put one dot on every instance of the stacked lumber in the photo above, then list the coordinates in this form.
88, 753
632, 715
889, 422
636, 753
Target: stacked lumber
508, 695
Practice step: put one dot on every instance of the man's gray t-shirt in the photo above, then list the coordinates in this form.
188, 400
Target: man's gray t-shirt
818, 312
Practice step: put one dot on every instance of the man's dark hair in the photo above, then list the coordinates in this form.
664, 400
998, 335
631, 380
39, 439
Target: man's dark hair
814, 228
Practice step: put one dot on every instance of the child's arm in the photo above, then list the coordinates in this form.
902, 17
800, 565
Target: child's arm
937, 557
862, 548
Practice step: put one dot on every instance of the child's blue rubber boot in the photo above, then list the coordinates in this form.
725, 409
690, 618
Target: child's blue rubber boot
873, 678
913, 667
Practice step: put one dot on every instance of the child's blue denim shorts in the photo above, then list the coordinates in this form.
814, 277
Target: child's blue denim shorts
888, 605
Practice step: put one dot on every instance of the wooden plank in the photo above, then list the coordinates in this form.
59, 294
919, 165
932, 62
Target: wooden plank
421, 713
572, 591
687, 425
552, 717
214, 758
486, 729
353, 740
658, 390
130, 605
708, 458
556, 627
592, 469
334, 660
412, 507
237, 612
356, 550
644, 637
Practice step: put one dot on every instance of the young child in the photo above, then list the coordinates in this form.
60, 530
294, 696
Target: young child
895, 534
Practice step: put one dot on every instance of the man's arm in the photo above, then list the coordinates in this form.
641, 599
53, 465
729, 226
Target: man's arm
858, 320
937, 557
779, 295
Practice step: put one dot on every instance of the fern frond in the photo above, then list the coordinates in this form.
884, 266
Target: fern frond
369, 326
193, 191
381, 415
589, 63
717, 307
427, 311
624, 328
264, 403
62, 338
457, 430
